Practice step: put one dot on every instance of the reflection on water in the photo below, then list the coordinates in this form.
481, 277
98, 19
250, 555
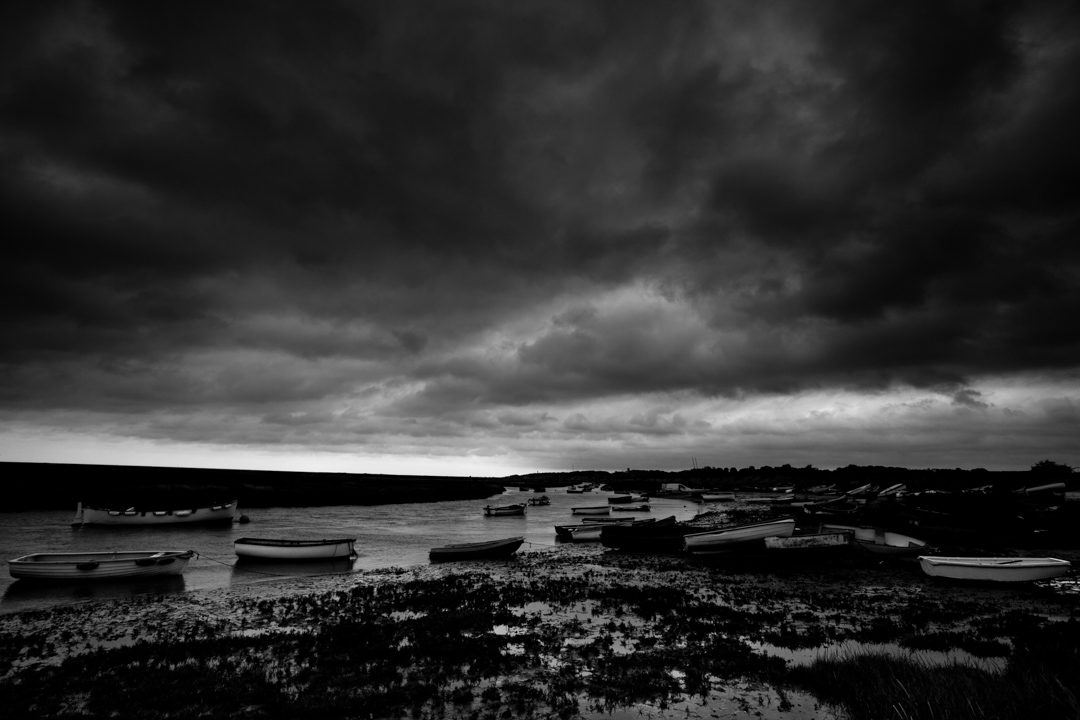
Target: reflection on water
29, 592
246, 571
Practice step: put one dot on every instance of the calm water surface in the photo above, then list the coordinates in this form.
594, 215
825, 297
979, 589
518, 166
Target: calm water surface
387, 536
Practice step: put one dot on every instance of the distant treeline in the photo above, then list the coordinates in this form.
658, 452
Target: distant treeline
48, 486
803, 477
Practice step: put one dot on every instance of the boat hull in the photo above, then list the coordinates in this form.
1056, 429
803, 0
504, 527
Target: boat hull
293, 550
733, 538
1001, 569
505, 510
99, 565
492, 549
594, 510
880, 542
219, 513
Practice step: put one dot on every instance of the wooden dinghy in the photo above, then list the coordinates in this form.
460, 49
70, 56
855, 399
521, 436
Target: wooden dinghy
736, 537
293, 550
591, 510
490, 549
566, 532
100, 565
994, 569
636, 507
879, 541
499, 510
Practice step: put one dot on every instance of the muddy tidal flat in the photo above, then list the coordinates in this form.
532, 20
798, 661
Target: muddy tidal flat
572, 631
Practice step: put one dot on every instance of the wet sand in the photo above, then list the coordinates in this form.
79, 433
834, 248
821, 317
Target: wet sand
569, 631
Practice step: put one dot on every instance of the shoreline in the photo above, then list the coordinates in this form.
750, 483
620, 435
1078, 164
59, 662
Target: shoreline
592, 629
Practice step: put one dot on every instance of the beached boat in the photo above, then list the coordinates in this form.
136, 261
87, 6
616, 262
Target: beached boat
99, 565
718, 496
736, 537
591, 510
154, 515
662, 536
879, 541
478, 550
636, 507
994, 569
515, 509
593, 532
281, 549
566, 531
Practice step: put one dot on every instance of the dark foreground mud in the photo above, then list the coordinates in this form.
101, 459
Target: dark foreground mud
572, 631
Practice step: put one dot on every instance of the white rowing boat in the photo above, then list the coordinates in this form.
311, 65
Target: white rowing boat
994, 569
99, 565
282, 549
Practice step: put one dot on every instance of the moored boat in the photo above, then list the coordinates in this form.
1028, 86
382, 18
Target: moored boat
636, 507
224, 512
282, 549
735, 537
489, 549
994, 569
515, 509
542, 500
99, 565
591, 510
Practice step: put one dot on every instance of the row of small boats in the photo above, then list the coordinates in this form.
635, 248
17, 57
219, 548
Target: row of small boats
778, 537
155, 563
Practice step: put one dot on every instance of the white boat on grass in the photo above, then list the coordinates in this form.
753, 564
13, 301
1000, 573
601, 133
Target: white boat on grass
735, 537
99, 565
994, 569
498, 510
591, 510
489, 549
155, 515
282, 549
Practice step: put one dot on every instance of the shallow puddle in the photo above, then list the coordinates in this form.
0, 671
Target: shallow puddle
734, 700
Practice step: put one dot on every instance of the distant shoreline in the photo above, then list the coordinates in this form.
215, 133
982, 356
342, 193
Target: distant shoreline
47, 486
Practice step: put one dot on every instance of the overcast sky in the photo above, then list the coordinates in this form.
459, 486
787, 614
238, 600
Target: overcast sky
485, 238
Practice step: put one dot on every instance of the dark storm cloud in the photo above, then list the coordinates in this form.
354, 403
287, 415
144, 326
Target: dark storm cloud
367, 193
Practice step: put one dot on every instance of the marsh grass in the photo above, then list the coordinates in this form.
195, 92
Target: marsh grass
1041, 680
